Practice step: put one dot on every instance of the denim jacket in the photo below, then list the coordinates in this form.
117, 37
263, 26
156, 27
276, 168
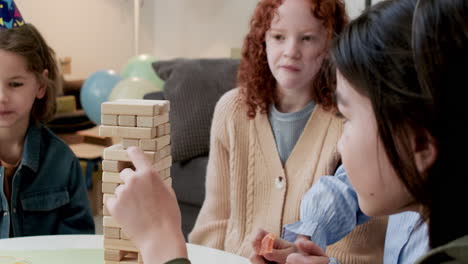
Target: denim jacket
48, 193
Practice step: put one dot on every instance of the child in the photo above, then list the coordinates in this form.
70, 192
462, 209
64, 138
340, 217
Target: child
404, 120
411, 129
275, 136
330, 208
42, 190
405, 129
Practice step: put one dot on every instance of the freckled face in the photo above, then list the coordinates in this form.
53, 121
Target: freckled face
296, 45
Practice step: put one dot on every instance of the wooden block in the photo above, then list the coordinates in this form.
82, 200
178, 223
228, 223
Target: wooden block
155, 143
161, 130
163, 164
168, 181
112, 232
152, 121
128, 258
162, 153
119, 244
163, 174
130, 142
105, 212
113, 254
136, 132
127, 132
131, 255
132, 258
127, 120
125, 260
162, 106
117, 152
131, 107
109, 187
115, 165
108, 221
167, 128
106, 131
109, 120
165, 106
111, 177
166, 173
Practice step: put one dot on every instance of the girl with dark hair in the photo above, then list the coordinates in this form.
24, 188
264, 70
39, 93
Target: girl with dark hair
402, 114
330, 209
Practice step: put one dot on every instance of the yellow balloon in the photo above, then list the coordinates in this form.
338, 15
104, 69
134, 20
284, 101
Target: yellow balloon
132, 88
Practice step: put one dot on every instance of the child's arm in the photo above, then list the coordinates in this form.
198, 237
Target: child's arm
329, 211
147, 210
76, 216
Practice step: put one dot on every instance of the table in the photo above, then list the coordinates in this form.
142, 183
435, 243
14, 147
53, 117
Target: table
88, 249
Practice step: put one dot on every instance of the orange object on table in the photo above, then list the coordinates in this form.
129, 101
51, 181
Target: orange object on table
267, 243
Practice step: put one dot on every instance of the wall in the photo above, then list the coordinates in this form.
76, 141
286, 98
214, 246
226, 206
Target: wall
99, 34
96, 34
206, 28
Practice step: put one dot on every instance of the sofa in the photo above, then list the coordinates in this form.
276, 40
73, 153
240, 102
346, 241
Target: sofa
193, 86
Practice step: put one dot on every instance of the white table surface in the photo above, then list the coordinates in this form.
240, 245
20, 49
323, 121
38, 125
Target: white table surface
197, 254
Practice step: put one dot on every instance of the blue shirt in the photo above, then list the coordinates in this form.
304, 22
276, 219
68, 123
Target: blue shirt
48, 192
330, 210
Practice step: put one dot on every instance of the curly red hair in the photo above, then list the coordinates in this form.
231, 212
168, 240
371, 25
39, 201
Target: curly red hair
256, 82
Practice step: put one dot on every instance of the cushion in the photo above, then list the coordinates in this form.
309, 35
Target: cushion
193, 86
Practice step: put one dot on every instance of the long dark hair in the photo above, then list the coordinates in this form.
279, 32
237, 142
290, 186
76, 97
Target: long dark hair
440, 45
422, 94
374, 55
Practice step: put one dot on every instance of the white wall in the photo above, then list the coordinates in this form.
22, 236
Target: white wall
206, 28
99, 34
200, 28
96, 34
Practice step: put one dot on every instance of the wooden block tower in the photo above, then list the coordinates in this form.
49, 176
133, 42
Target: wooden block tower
142, 123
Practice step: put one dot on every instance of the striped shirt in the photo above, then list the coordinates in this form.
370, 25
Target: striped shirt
327, 212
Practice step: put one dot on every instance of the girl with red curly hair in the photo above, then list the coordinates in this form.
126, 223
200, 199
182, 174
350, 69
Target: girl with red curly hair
275, 136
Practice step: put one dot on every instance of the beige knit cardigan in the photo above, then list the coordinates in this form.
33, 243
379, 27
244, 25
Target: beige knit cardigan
248, 188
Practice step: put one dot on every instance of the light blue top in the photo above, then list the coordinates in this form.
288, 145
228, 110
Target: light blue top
330, 210
288, 127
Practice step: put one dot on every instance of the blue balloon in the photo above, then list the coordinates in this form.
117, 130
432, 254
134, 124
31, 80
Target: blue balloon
95, 91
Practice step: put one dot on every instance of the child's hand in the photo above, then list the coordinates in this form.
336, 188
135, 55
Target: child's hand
309, 253
147, 210
281, 249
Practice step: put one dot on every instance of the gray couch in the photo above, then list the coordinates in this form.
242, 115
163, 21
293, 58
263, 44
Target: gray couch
193, 86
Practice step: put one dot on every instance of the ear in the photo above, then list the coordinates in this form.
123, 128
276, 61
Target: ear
425, 151
42, 85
